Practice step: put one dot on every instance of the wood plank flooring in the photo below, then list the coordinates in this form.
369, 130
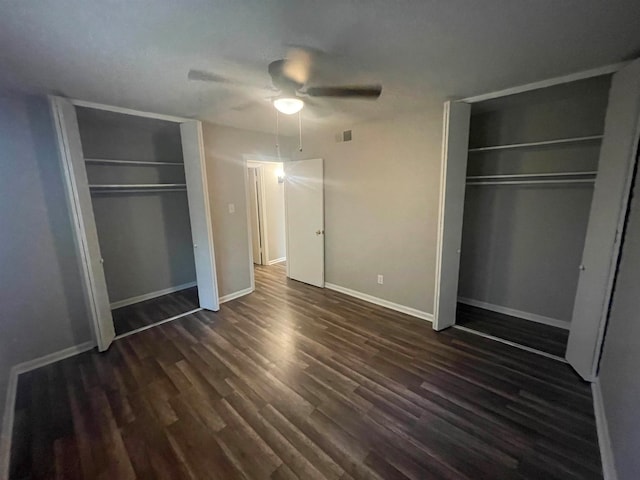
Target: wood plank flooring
141, 314
545, 338
293, 381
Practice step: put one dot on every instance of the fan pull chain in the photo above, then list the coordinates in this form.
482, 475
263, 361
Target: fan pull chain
300, 130
277, 134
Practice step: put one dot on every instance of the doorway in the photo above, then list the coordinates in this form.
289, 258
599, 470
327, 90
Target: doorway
616, 138
531, 168
136, 185
265, 200
286, 217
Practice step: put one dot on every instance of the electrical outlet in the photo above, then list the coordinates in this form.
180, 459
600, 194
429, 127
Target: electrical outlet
380, 279
232, 208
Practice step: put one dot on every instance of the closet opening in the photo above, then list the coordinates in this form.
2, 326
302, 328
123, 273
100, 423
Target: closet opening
136, 176
531, 168
265, 199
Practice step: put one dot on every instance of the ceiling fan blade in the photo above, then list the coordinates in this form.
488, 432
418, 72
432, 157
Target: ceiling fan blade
202, 76
359, 91
246, 105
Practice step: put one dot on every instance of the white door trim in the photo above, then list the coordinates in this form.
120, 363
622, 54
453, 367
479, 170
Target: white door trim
128, 111
252, 277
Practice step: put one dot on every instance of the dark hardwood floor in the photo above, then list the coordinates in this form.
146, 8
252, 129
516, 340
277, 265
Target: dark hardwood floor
545, 338
293, 381
131, 317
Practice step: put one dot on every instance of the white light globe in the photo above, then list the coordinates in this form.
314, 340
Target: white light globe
288, 105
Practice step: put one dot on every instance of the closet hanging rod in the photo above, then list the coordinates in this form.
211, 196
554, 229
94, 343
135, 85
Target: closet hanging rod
139, 186
534, 182
537, 144
137, 190
131, 162
531, 175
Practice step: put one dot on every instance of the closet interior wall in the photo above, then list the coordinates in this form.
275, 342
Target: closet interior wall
522, 241
141, 209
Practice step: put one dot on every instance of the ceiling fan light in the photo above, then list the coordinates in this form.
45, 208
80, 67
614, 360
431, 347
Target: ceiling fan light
288, 105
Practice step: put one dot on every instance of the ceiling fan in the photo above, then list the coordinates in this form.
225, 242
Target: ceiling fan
291, 81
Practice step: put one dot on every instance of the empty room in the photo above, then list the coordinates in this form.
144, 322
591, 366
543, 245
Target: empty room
319, 240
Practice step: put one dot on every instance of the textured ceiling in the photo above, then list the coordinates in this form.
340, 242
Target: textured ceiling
137, 54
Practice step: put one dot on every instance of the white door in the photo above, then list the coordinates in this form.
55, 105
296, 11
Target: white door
199, 213
304, 207
452, 188
84, 225
254, 215
606, 221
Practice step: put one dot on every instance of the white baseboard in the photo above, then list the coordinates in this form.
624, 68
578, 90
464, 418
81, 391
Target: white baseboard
383, 303
604, 440
554, 322
10, 402
234, 295
149, 296
277, 260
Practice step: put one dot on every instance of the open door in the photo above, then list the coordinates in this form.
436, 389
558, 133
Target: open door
304, 211
199, 214
455, 145
255, 215
80, 207
606, 222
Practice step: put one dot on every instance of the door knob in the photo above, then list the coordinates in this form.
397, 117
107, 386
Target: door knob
319, 232
582, 267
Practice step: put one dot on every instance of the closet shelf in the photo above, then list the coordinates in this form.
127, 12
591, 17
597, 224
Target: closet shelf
533, 182
141, 187
132, 162
531, 175
589, 138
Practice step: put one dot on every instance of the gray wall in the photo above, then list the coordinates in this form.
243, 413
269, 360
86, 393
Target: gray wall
521, 245
43, 307
381, 206
381, 203
145, 238
619, 374
224, 150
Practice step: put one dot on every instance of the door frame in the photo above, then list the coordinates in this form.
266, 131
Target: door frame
82, 216
444, 254
257, 161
